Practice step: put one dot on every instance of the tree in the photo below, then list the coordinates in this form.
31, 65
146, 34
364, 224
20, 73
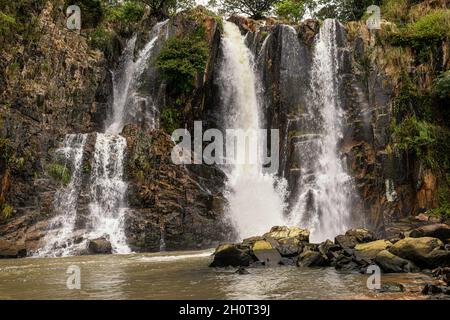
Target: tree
344, 10
255, 9
165, 8
293, 10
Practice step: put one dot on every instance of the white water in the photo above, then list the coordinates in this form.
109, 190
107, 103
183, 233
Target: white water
255, 204
108, 189
58, 240
107, 207
323, 204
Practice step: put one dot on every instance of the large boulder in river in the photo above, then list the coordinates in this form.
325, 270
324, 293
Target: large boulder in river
229, 254
99, 246
354, 236
390, 263
310, 258
266, 253
282, 233
425, 252
370, 250
438, 230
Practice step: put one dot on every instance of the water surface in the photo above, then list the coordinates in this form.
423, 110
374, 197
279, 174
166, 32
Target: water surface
184, 275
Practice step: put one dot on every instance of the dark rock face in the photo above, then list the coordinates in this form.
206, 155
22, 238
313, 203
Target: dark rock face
231, 255
390, 263
99, 246
168, 202
11, 250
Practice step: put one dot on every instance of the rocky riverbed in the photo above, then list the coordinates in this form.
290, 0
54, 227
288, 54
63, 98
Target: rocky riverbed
424, 249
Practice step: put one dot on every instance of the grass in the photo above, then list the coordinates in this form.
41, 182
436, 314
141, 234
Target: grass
59, 173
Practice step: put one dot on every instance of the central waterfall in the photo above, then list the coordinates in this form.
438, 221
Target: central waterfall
256, 200
107, 188
323, 204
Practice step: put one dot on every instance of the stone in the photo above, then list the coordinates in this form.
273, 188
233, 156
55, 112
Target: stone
345, 241
422, 217
369, 250
288, 261
242, 270
9, 249
391, 287
438, 230
425, 252
99, 246
390, 263
264, 252
310, 258
229, 254
289, 247
430, 289
283, 232
361, 235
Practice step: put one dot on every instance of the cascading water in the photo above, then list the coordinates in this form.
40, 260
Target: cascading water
59, 240
107, 191
323, 204
255, 203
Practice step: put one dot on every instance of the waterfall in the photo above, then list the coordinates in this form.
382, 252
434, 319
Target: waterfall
59, 239
107, 189
323, 204
255, 199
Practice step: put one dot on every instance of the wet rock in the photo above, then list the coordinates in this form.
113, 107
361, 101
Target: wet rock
288, 261
370, 250
391, 287
425, 252
242, 270
430, 289
280, 233
310, 258
439, 230
345, 241
99, 246
390, 263
265, 253
289, 247
329, 249
9, 249
361, 235
421, 217
228, 254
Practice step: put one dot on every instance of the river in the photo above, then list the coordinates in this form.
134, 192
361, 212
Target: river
185, 275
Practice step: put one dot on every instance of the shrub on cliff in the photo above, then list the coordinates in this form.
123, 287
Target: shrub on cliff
182, 58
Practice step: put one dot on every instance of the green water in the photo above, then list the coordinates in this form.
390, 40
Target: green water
184, 275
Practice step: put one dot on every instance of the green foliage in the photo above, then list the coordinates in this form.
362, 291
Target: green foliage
182, 58
424, 34
256, 9
429, 142
7, 211
127, 13
59, 173
100, 38
7, 25
441, 86
292, 10
412, 101
170, 119
443, 210
344, 10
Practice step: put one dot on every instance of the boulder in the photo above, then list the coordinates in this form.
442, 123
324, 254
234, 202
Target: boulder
266, 253
310, 258
289, 247
369, 250
99, 246
391, 287
438, 230
9, 249
229, 254
390, 263
425, 252
430, 289
422, 217
329, 249
361, 235
283, 232
345, 241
